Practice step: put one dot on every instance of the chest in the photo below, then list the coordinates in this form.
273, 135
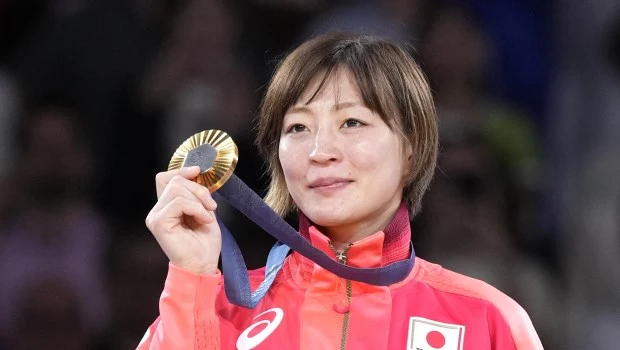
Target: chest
408, 320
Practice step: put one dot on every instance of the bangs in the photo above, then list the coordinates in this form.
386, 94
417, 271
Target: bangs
368, 71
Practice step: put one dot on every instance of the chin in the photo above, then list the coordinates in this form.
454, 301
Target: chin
327, 216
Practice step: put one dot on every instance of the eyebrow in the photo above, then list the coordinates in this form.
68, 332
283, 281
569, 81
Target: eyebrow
346, 104
336, 107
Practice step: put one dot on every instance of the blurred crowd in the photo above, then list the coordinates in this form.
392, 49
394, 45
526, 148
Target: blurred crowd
95, 96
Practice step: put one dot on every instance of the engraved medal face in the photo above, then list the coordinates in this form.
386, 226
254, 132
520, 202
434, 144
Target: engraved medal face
214, 151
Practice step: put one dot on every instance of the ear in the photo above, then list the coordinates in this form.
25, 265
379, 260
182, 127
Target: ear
407, 158
409, 152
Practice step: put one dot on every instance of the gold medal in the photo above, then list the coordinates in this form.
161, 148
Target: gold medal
214, 151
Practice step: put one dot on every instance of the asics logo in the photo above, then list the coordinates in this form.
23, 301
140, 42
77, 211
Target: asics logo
245, 342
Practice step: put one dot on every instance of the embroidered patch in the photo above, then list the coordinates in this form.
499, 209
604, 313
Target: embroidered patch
425, 334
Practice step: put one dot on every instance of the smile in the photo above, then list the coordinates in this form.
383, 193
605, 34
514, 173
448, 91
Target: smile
328, 185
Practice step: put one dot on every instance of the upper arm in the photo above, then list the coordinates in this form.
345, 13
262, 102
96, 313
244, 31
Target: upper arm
187, 317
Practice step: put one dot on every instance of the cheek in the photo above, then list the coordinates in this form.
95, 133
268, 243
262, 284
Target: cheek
370, 156
289, 160
383, 159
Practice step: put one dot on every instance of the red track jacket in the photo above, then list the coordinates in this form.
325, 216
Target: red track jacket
308, 307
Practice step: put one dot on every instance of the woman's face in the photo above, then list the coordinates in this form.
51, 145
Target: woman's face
342, 164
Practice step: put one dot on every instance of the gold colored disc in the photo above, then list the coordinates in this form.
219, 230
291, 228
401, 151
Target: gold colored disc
223, 163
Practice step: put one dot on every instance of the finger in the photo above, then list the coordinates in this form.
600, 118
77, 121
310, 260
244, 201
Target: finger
189, 189
162, 179
181, 206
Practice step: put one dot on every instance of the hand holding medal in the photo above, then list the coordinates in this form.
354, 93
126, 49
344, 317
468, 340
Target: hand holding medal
183, 220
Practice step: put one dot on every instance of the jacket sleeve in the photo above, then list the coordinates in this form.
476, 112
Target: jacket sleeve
187, 318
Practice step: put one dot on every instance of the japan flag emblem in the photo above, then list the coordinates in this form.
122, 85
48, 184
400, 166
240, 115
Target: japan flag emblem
425, 334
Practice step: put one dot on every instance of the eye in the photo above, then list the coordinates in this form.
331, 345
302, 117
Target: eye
352, 123
295, 128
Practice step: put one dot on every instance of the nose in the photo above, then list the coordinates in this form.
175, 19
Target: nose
326, 147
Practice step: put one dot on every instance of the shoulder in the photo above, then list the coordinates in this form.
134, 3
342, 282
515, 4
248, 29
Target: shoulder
448, 281
511, 312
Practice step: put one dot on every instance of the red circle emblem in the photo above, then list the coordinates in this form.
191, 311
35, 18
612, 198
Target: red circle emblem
435, 339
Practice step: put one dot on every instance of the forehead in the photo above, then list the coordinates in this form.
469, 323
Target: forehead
336, 86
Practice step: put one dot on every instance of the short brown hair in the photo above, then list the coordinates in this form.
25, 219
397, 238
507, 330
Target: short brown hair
391, 84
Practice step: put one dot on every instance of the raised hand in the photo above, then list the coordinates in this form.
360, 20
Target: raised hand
183, 221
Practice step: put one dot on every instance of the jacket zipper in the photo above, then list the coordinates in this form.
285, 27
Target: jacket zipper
342, 258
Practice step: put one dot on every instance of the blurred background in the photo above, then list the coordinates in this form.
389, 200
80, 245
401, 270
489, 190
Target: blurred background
95, 96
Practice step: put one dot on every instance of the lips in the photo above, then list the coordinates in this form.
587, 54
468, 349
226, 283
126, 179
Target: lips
328, 182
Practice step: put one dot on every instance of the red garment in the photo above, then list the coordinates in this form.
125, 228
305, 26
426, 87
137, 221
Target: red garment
308, 307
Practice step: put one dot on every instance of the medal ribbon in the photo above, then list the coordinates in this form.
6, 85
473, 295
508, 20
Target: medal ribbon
236, 280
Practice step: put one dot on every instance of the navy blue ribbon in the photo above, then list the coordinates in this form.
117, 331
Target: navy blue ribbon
236, 279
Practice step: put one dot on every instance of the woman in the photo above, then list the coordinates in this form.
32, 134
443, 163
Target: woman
349, 129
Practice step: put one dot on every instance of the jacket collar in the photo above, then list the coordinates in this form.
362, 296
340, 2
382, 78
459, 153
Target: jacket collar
379, 249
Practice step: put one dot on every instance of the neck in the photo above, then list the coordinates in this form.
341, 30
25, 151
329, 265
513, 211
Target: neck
344, 235
397, 235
